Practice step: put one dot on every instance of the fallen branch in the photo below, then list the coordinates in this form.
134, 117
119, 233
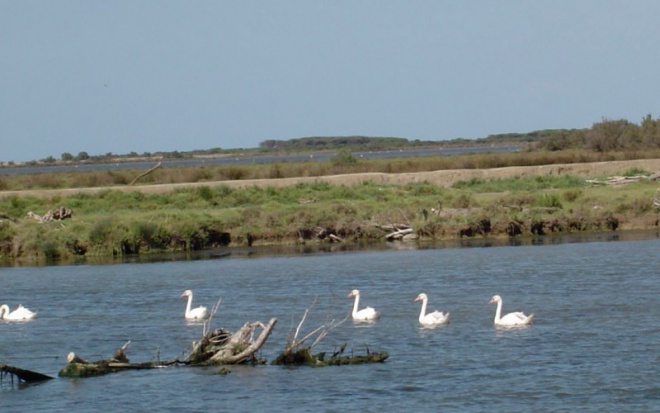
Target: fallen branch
23, 376
142, 175
304, 357
296, 355
58, 214
79, 367
396, 235
617, 180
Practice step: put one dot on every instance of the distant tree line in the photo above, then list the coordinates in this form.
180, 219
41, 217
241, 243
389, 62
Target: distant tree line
604, 136
317, 143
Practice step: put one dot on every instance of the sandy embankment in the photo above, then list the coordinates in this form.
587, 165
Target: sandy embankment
443, 177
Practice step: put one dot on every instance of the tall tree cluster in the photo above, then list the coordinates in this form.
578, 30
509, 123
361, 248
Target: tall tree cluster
606, 136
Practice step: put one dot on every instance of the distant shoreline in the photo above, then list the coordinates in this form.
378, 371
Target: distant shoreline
444, 178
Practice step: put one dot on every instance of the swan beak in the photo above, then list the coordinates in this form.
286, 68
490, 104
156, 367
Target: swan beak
491, 301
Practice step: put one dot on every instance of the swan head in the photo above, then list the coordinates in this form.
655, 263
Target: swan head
354, 293
495, 299
421, 297
186, 293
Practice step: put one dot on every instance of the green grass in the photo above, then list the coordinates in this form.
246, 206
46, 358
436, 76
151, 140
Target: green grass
342, 163
116, 223
536, 183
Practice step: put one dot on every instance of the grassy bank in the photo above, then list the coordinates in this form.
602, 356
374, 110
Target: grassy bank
341, 164
113, 223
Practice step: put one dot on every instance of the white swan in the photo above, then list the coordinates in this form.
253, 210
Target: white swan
435, 318
199, 313
511, 319
19, 314
366, 313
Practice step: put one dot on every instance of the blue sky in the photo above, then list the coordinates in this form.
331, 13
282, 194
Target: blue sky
157, 75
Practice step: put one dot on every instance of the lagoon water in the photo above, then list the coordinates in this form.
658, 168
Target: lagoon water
593, 347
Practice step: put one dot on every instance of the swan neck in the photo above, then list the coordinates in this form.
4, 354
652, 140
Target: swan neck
422, 313
498, 312
356, 303
4, 310
189, 304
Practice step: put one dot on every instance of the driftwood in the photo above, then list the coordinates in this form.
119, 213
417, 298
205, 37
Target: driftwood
297, 353
396, 231
58, 214
142, 175
218, 347
304, 357
620, 180
399, 234
393, 227
79, 367
22, 376
329, 233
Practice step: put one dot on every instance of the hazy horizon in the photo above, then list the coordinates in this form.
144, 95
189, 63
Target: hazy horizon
123, 76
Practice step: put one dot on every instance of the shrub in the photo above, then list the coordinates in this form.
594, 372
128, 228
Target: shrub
205, 192
549, 201
101, 231
572, 195
50, 251
343, 158
635, 172
463, 200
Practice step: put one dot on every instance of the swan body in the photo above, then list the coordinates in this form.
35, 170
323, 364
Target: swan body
434, 318
199, 313
19, 314
512, 319
366, 314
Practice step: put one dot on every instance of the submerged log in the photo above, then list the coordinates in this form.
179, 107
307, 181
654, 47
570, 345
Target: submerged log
297, 353
218, 347
304, 357
23, 376
102, 367
79, 367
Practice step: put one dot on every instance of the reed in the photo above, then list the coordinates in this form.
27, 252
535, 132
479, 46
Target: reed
212, 173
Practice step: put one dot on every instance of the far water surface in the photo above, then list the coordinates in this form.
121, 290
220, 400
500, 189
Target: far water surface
593, 348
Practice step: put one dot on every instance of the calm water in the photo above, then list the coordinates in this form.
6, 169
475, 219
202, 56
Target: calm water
594, 346
241, 160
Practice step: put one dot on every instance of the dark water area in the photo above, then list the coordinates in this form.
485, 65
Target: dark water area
323, 248
592, 348
251, 159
